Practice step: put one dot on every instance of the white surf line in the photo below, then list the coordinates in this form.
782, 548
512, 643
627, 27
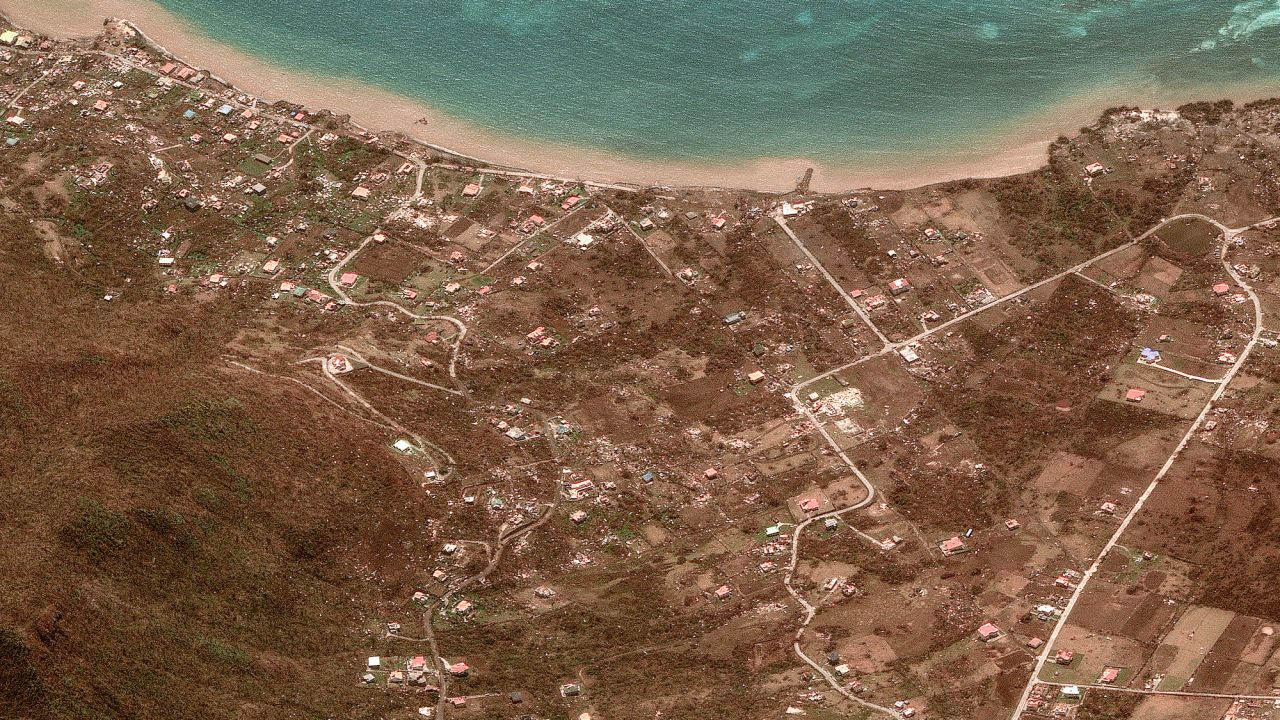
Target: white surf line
1227, 236
853, 304
486, 166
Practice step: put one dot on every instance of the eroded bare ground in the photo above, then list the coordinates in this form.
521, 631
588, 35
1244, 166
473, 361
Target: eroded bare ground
299, 422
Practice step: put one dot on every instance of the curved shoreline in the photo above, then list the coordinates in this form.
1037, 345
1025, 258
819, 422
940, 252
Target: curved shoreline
1020, 150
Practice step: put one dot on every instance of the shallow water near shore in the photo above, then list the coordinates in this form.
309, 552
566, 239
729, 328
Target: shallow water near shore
745, 93
698, 80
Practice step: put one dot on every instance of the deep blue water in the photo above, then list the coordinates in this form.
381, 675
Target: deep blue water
702, 80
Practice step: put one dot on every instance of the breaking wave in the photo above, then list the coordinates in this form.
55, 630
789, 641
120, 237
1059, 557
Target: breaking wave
1249, 17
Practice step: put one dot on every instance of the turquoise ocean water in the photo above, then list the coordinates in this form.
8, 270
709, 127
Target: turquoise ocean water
703, 80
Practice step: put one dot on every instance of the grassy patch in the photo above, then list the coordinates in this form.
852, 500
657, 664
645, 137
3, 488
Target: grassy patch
168, 524
97, 530
225, 653
213, 420
20, 685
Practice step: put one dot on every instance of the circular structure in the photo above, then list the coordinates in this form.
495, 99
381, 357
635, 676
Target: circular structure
338, 364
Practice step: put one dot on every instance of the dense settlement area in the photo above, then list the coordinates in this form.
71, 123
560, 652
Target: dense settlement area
302, 421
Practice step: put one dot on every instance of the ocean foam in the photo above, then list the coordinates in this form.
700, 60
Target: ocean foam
1249, 17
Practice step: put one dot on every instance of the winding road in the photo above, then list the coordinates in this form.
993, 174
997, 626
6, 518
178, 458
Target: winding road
346, 300
810, 611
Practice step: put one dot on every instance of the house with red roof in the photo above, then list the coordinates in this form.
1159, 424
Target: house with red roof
952, 546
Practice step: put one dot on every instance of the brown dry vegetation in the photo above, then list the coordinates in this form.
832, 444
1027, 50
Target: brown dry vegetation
155, 514
1061, 350
1102, 705
182, 533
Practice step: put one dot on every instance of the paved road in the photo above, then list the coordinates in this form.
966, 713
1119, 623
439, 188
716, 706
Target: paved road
14, 102
315, 392
395, 374
422, 173
342, 295
862, 313
1228, 234
1175, 693
648, 249
540, 231
1188, 376
965, 316
802, 407
809, 610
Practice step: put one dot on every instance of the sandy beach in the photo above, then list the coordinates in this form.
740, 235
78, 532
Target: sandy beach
1018, 151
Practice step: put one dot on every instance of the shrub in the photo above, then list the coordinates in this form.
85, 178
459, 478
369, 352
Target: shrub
97, 530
